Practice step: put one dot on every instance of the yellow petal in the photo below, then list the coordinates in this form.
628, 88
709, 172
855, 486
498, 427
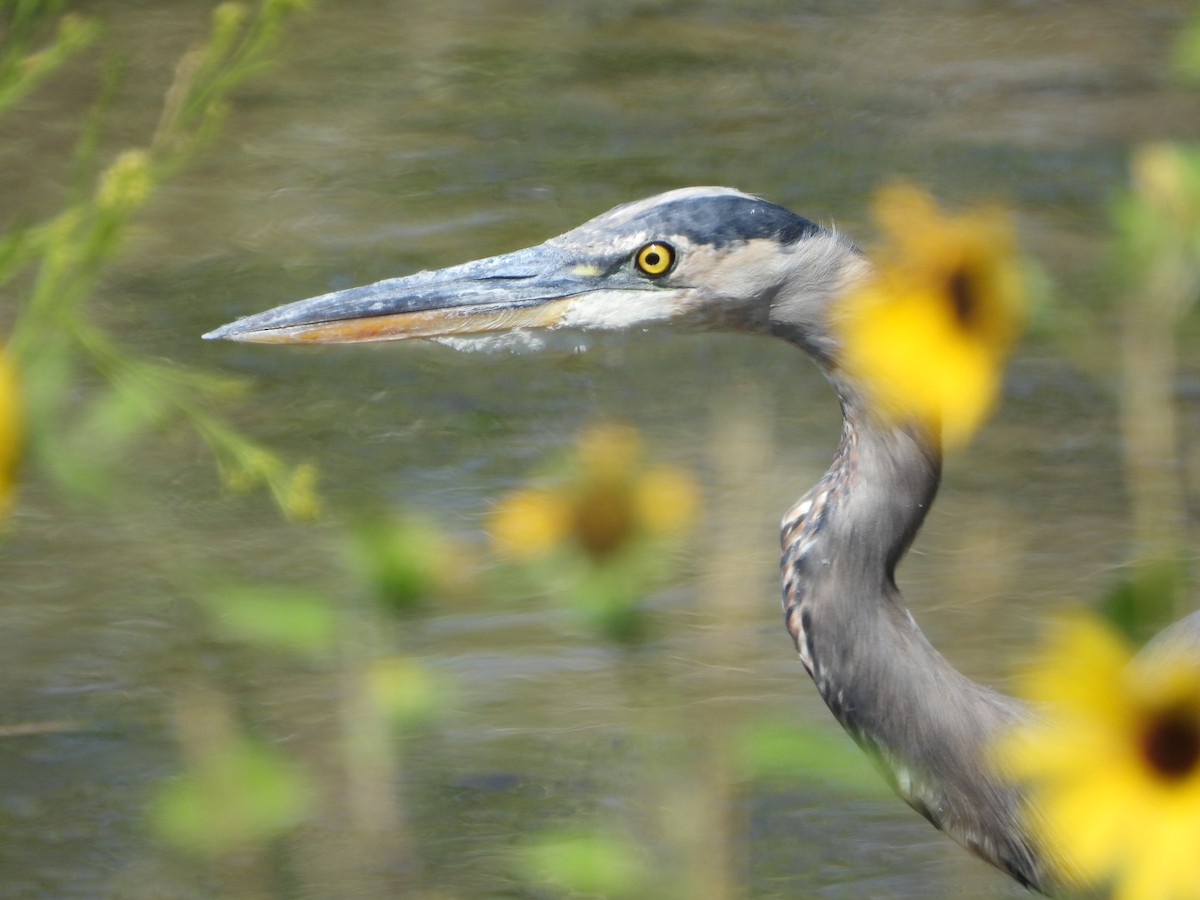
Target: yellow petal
10, 431
608, 452
666, 500
529, 523
1080, 670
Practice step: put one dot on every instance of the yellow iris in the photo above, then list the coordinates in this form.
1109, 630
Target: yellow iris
609, 502
1113, 772
928, 333
10, 432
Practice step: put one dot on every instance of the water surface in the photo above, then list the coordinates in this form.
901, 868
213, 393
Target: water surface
397, 136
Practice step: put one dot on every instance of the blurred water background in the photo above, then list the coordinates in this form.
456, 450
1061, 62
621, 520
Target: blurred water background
393, 136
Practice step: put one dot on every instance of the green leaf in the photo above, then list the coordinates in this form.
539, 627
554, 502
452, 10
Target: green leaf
1146, 598
787, 751
587, 863
242, 795
611, 597
275, 617
406, 562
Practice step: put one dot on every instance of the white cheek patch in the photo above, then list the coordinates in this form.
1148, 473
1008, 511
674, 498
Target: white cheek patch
616, 310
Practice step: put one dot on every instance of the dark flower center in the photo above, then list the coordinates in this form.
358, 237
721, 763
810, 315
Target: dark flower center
604, 519
1171, 743
961, 288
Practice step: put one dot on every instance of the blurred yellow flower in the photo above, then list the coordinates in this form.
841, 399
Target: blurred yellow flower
1113, 771
609, 502
10, 432
928, 333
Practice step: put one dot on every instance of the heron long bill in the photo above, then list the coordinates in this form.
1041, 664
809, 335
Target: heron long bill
530, 288
702, 254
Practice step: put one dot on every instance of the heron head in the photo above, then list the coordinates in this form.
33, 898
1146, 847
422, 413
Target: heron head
709, 257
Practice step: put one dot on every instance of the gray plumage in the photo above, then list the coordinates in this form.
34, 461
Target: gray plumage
739, 263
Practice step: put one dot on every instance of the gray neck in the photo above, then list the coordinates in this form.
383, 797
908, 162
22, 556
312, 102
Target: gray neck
924, 722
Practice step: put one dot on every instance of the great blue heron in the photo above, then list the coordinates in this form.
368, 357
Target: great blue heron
716, 258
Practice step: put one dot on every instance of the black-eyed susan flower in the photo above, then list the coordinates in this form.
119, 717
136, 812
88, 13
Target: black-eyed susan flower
10, 432
596, 533
609, 502
928, 333
1113, 771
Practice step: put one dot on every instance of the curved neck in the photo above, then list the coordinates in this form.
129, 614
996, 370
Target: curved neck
926, 724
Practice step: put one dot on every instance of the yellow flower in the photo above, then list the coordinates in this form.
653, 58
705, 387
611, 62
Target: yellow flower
608, 503
1113, 772
928, 333
10, 432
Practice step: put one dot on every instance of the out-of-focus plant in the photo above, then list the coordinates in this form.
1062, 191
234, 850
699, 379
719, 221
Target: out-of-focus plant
274, 618
930, 330
1112, 771
592, 863
234, 792
779, 750
1158, 231
51, 268
10, 432
602, 531
407, 563
1158, 223
237, 791
27, 56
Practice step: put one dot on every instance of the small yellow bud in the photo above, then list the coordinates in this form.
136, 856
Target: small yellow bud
125, 184
228, 16
301, 501
10, 432
666, 500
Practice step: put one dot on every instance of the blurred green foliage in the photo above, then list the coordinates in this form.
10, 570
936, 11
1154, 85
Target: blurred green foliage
37, 42
274, 617
589, 863
782, 750
1147, 595
1186, 55
1156, 222
86, 398
404, 691
231, 798
407, 563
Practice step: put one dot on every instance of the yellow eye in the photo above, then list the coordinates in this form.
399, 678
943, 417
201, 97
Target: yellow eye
655, 259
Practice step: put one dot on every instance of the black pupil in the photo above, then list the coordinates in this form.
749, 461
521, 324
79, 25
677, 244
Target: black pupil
1171, 744
652, 259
